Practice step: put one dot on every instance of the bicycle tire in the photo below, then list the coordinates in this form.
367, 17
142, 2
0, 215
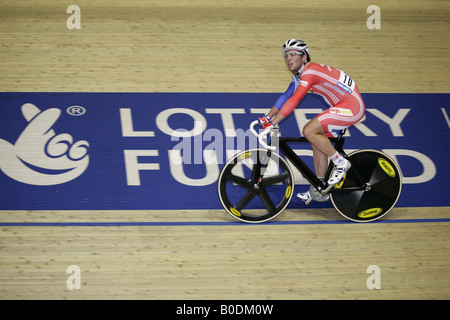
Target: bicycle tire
385, 185
254, 187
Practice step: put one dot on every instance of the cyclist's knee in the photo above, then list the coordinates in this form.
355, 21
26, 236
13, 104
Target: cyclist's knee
312, 128
307, 133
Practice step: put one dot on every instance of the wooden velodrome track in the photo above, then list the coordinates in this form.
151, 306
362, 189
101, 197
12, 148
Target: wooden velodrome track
221, 46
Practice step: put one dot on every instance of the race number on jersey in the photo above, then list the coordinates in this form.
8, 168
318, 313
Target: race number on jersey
346, 82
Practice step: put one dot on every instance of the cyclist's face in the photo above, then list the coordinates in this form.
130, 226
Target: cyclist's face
294, 62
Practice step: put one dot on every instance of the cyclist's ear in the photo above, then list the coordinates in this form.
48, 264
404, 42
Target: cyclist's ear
305, 58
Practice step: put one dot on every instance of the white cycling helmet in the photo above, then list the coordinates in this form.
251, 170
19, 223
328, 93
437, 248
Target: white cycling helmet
296, 44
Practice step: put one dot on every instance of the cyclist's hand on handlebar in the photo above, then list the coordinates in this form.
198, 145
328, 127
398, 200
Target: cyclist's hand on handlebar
265, 122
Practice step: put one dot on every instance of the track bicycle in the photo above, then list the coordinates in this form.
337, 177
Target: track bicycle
256, 185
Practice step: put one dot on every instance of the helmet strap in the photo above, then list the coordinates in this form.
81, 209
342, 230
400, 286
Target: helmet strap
301, 69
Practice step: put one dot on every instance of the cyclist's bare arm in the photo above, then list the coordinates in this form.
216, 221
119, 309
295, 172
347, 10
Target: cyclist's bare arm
274, 112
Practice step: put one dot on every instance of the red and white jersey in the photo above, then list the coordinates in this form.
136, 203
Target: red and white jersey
336, 87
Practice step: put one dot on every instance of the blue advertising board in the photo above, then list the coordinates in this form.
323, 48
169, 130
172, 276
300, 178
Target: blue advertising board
124, 151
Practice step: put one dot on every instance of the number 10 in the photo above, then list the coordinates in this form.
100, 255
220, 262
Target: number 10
347, 80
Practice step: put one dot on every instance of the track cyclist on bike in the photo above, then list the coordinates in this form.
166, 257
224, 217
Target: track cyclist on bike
339, 92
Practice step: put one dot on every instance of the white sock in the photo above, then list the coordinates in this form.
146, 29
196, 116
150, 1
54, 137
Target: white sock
337, 159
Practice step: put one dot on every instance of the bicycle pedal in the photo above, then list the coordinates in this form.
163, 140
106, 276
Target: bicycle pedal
308, 201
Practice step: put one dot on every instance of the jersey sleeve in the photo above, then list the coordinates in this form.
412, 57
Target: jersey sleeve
285, 96
299, 94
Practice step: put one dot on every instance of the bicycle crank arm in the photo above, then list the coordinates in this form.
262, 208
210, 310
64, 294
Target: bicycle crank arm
325, 191
366, 187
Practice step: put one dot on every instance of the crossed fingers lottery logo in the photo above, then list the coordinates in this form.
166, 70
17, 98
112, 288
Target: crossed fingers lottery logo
40, 156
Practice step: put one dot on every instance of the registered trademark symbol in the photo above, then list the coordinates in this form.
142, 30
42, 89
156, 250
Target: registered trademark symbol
76, 110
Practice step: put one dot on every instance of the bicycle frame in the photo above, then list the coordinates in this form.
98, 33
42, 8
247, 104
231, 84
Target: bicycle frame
321, 186
298, 162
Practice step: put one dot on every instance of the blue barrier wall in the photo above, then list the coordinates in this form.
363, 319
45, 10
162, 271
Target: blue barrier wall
104, 151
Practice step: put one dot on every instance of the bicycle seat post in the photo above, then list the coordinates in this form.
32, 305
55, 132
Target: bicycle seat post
339, 142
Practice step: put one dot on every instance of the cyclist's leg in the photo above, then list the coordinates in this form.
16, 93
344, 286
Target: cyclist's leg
321, 145
314, 133
320, 160
320, 167
339, 117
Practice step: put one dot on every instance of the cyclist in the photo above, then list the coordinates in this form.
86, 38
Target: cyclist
339, 92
